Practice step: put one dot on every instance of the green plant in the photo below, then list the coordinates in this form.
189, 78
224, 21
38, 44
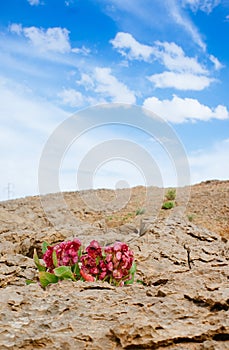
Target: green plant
190, 217
140, 211
168, 205
171, 194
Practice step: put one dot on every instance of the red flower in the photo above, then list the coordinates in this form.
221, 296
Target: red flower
66, 253
111, 264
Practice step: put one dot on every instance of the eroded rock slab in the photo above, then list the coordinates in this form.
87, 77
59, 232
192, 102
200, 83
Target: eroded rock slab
180, 298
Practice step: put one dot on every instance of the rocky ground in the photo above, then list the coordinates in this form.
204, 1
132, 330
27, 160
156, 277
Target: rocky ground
180, 297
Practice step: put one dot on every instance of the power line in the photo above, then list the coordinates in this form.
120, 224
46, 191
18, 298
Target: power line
9, 189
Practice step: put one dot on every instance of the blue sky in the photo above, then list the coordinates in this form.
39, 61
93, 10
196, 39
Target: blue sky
59, 57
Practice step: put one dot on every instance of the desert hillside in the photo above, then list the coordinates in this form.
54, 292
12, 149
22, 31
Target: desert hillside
206, 205
180, 297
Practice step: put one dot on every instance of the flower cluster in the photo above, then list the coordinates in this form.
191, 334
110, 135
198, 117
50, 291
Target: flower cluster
66, 254
114, 264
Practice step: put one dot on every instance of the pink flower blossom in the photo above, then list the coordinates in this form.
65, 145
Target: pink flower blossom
94, 249
91, 260
112, 263
66, 253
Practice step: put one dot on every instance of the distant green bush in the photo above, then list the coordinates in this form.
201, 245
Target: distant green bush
171, 194
190, 217
140, 211
168, 205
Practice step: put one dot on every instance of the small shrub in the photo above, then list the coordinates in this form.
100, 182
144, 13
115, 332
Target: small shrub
190, 217
140, 211
171, 194
168, 205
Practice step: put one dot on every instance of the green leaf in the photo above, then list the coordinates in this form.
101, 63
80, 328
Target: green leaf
45, 247
97, 260
28, 282
47, 278
141, 282
64, 272
133, 268
54, 258
76, 270
132, 273
79, 253
37, 262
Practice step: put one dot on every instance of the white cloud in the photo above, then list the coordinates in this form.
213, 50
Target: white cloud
163, 14
86, 81
216, 62
169, 54
179, 110
129, 47
203, 5
48, 40
71, 97
174, 58
186, 73
101, 86
180, 81
16, 28
109, 86
82, 50
182, 20
34, 2
211, 163
52, 39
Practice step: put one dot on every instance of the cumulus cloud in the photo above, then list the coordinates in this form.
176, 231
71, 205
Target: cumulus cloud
173, 57
109, 86
52, 39
129, 47
179, 110
180, 81
100, 86
71, 97
204, 5
183, 72
169, 54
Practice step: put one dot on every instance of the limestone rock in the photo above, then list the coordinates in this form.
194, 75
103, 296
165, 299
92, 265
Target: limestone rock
179, 300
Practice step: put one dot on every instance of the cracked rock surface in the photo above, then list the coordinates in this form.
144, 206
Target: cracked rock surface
179, 300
